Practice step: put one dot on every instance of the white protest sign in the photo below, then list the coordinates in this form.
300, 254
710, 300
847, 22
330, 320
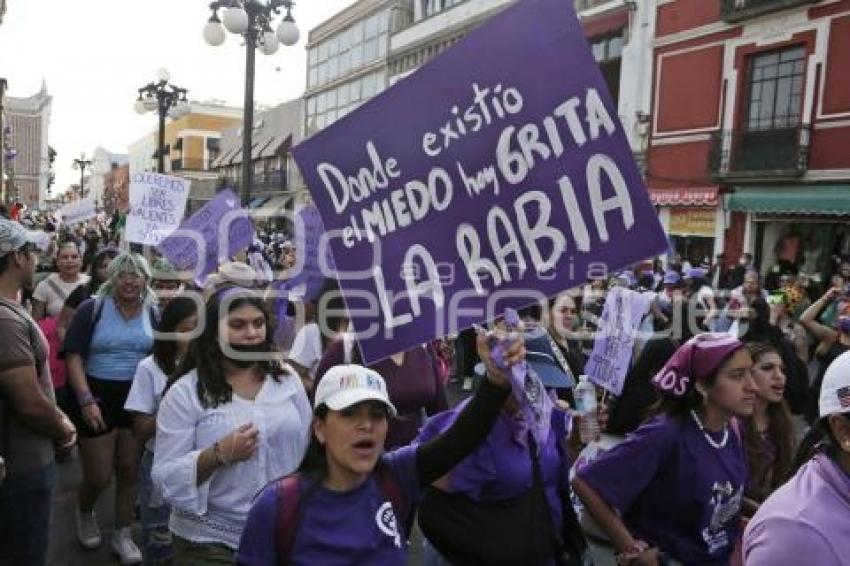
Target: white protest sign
615, 339
78, 211
157, 204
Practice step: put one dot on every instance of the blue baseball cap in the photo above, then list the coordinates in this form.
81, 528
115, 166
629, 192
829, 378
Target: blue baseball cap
672, 278
541, 359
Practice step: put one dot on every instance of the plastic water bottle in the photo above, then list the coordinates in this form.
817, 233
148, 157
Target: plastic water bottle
585, 396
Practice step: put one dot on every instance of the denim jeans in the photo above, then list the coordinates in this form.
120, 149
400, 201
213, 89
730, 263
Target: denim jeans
154, 514
25, 517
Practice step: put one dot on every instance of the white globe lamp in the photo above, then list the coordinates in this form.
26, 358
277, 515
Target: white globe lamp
214, 32
287, 32
236, 20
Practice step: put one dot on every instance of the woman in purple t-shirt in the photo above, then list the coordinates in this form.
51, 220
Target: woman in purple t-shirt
674, 488
348, 503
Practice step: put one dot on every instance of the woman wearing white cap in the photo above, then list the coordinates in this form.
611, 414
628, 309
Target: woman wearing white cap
349, 501
807, 520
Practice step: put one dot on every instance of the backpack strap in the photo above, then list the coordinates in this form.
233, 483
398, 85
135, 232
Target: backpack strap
289, 500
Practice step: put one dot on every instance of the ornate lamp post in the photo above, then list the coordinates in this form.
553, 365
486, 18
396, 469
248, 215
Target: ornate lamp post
82, 164
166, 99
252, 19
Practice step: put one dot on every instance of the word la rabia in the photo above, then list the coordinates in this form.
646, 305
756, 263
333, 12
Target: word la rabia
517, 234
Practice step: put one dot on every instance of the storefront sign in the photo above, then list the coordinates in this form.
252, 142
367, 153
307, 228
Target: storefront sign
693, 222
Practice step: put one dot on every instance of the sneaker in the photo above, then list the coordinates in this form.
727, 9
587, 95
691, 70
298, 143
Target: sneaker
88, 533
123, 545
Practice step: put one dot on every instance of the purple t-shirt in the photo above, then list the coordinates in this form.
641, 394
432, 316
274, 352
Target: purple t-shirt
501, 467
807, 517
674, 490
336, 528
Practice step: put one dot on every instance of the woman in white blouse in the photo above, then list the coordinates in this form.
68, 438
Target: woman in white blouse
234, 422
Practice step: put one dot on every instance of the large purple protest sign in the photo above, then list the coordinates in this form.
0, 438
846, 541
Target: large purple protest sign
205, 233
310, 269
615, 340
497, 173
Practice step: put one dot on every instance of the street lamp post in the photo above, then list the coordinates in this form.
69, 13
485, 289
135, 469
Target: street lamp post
82, 164
252, 19
162, 96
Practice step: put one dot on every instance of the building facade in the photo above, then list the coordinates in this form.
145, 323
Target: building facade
192, 144
116, 188
276, 179
103, 162
347, 58
5, 139
28, 121
751, 120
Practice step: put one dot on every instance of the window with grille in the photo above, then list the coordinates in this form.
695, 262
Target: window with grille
776, 88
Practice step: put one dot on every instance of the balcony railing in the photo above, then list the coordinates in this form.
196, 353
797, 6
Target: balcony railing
779, 152
737, 10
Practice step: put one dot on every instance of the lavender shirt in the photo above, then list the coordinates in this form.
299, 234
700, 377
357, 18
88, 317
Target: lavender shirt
807, 517
336, 528
673, 490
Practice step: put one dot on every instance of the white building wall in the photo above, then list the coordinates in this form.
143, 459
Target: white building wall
424, 28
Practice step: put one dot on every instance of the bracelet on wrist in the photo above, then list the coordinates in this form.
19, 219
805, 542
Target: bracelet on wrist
86, 399
628, 556
219, 457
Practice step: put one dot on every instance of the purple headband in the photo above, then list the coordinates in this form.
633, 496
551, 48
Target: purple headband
696, 359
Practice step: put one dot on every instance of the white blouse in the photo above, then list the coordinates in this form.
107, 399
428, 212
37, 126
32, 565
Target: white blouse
216, 510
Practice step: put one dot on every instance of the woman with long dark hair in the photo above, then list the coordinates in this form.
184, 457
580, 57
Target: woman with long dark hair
674, 488
237, 420
179, 320
807, 520
349, 501
768, 434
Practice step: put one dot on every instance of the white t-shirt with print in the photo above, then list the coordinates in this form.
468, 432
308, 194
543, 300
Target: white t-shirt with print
53, 291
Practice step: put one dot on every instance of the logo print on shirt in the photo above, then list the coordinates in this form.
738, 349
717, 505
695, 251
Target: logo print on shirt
387, 523
726, 502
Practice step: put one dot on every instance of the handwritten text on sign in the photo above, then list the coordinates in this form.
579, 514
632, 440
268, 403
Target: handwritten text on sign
157, 205
511, 177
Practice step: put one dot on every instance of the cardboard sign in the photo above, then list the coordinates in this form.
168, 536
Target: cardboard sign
78, 211
497, 173
218, 231
157, 205
615, 339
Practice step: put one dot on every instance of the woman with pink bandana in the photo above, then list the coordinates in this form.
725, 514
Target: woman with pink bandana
672, 492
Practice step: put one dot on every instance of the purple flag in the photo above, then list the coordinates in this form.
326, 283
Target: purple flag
218, 227
493, 176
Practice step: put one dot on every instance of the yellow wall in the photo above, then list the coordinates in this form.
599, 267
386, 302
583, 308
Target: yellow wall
193, 146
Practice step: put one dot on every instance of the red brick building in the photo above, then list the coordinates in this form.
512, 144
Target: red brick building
749, 145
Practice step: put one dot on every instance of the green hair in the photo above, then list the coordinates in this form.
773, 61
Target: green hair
127, 262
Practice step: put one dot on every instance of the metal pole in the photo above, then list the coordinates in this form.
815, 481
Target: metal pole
248, 116
163, 109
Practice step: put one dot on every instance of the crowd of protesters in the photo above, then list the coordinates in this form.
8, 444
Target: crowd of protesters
241, 426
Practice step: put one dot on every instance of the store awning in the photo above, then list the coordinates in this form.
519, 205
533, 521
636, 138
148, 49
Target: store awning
685, 196
274, 207
797, 199
276, 144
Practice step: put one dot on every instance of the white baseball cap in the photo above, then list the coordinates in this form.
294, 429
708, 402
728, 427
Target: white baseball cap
344, 386
835, 389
